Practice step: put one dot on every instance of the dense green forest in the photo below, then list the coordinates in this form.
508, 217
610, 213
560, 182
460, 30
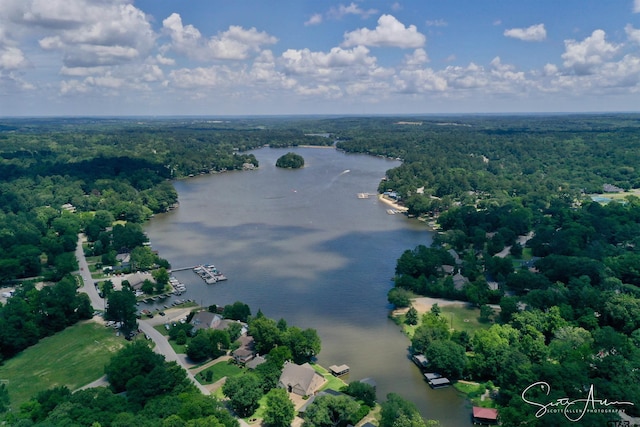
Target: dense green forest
509, 197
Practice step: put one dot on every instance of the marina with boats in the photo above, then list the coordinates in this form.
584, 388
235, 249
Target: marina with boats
209, 273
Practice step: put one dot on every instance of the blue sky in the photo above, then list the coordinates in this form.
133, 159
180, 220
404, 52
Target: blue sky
248, 57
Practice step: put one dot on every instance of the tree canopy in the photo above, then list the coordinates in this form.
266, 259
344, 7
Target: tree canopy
290, 161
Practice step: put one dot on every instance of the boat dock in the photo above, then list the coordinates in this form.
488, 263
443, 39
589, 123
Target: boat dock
209, 273
339, 371
436, 380
365, 195
178, 287
182, 268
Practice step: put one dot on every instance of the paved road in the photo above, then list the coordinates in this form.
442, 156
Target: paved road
88, 287
162, 346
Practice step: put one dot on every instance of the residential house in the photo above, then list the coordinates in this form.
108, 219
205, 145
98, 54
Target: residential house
455, 256
302, 380
205, 320
137, 279
459, 281
255, 362
246, 351
448, 269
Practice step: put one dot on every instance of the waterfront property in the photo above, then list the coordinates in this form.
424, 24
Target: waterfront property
302, 380
205, 320
485, 416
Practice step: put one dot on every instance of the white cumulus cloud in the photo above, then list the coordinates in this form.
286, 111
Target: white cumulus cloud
305, 61
534, 33
418, 57
235, 43
351, 9
633, 34
581, 57
389, 32
11, 57
315, 19
636, 6
88, 32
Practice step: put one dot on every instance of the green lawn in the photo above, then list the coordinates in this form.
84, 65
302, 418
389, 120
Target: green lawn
219, 371
477, 393
463, 318
73, 357
333, 382
458, 318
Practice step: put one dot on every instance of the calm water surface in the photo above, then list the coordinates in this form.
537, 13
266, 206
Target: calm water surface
300, 245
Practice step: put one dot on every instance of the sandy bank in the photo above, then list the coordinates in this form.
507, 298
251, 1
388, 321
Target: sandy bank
392, 203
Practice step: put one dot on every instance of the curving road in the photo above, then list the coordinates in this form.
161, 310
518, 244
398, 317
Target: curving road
162, 346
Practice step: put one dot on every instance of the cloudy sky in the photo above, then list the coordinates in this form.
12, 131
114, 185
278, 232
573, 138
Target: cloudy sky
241, 57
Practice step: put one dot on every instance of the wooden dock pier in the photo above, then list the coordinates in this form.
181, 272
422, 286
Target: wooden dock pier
182, 269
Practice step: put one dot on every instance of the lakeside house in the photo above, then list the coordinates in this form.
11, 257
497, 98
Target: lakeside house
137, 279
484, 416
246, 352
302, 380
205, 320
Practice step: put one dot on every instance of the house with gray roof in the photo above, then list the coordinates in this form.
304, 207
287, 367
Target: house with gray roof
205, 320
302, 380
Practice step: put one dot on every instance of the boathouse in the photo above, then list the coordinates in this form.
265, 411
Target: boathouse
485, 416
432, 376
439, 382
420, 360
338, 371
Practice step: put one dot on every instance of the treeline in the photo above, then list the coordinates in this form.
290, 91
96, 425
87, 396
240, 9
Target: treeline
32, 314
494, 159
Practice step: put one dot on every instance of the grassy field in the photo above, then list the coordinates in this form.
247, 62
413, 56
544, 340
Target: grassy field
219, 371
73, 357
458, 318
463, 318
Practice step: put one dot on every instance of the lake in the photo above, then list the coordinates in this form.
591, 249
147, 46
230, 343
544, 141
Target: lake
300, 245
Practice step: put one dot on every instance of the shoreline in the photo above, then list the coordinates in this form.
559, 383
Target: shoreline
391, 203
